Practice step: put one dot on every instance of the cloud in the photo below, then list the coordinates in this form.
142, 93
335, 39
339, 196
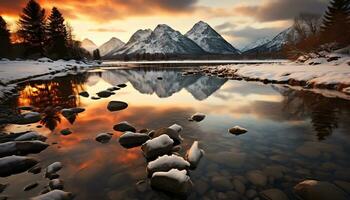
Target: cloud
225, 26
252, 33
107, 30
274, 10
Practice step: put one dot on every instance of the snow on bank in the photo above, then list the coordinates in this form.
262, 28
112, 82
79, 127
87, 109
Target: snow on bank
12, 72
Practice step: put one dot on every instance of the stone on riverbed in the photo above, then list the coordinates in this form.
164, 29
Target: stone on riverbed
84, 94
22, 147
257, 178
105, 94
173, 181
194, 155
124, 127
157, 147
116, 106
176, 128
31, 136
237, 130
273, 194
130, 139
174, 135
29, 118
197, 117
56, 184
320, 190
30, 186
103, 137
66, 132
53, 169
15, 164
166, 163
55, 195
71, 112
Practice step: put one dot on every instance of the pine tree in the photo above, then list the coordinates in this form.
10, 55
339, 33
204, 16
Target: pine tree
57, 35
32, 28
96, 54
336, 22
5, 41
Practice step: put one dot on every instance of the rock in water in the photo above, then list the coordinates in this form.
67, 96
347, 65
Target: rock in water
22, 147
197, 117
29, 118
194, 154
124, 127
320, 190
84, 94
130, 139
274, 194
166, 163
176, 128
66, 131
31, 136
157, 147
55, 195
53, 169
103, 137
174, 135
71, 112
15, 164
30, 186
257, 178
104, 94
237, 130
121, 85
116, 106
56, 184
173, 181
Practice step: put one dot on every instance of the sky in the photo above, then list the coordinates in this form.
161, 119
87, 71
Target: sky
238, 21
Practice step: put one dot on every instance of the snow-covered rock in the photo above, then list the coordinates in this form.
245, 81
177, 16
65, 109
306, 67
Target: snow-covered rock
209, 40
45, 60
15, 164
194, 154
131, 139
157, 147
176, 128
174, 135
31, 136
114, 44
22, 147
55, 195
166, 163
173, 181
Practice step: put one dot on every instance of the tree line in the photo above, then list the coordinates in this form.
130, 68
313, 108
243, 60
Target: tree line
39, 35
316, 33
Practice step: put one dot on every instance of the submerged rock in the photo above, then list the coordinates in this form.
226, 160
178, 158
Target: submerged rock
237, 130
31, 186
174, 135
116, 106
84, 94
166, 163
22, 147
105, 94
124, 127
173, 181
197, 117
55, 195
320, 190
103, 137
176, 128
130, 139
257, 178
273, 194
31, 136
194, 154
157, 147
15, 164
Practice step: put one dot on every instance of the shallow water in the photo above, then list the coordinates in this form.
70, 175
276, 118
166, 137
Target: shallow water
292, 135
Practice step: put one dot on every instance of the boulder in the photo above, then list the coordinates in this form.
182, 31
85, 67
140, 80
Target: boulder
157, 146
257, 178
53, 169
237, 130
66, 131
124, 127
84, 94
176, 128
31, 186
56, 184
197, 117
166, 163
320, 190
194, 154
130, 139
31, 136
103, 137
173, 181
174, 135
15, 164
28, 118
105, 94
116, 106
55, 195
121, 85
22, 147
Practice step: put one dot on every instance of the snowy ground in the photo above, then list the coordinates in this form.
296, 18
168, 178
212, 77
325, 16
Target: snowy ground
331, 71
12, 72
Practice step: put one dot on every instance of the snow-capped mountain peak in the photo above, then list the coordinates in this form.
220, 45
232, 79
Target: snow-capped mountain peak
111, 45
210, 40
89, 45
256, 43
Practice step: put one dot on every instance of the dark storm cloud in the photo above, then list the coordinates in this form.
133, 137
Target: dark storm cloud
273, 10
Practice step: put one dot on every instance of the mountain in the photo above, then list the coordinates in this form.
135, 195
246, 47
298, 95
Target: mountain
163, 39
256, 43
89, 45
209, 40
111, 45
276, 43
